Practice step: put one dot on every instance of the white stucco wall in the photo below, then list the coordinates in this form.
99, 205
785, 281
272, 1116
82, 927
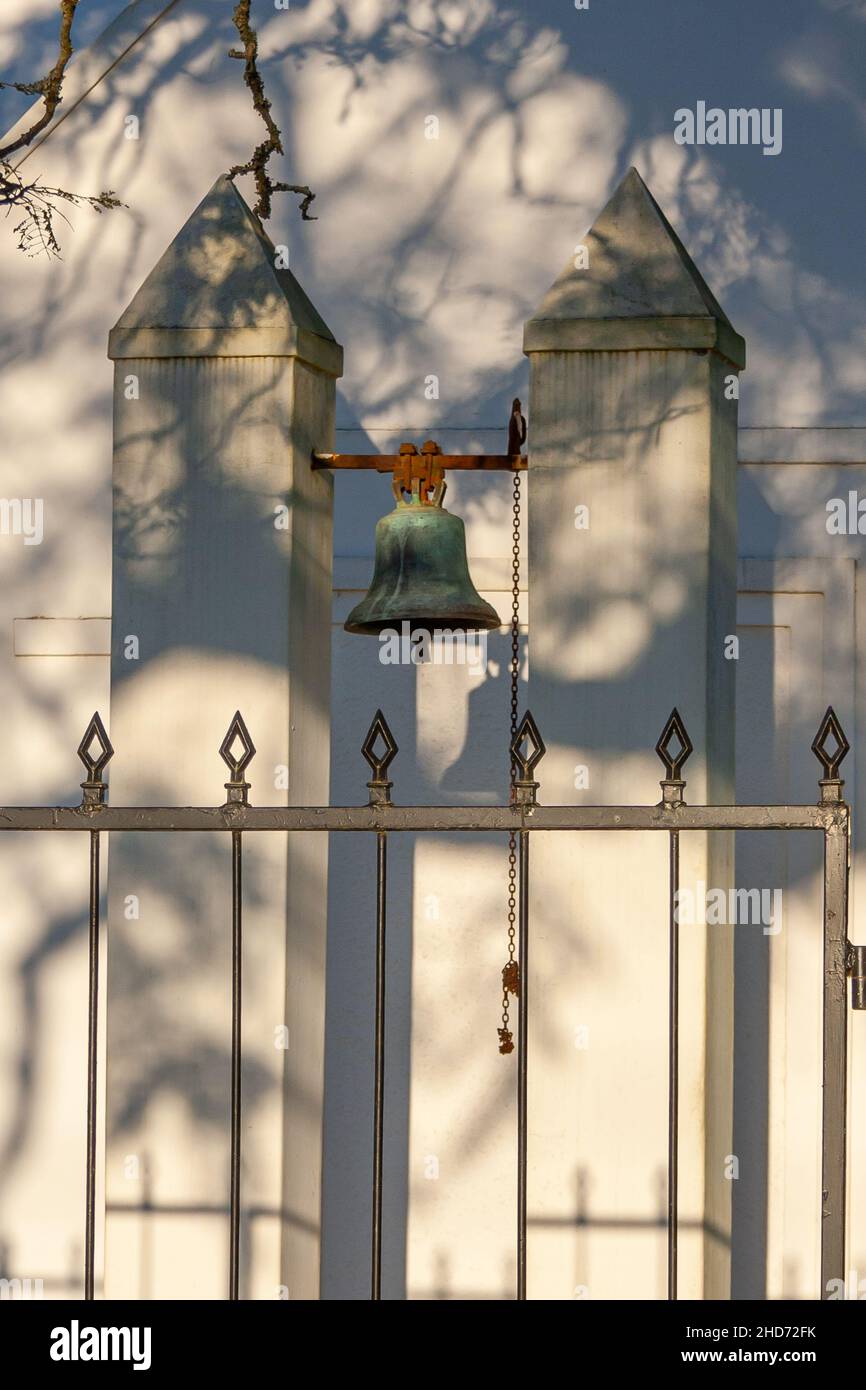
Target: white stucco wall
426, 259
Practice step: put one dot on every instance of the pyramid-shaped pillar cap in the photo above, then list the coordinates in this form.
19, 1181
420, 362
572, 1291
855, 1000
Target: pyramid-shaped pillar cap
635, 288
216, 291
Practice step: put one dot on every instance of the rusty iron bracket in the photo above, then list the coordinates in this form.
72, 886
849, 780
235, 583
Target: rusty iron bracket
420, 476
390, 463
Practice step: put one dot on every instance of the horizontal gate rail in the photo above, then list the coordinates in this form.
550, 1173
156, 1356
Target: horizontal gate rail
236, 817
422, 818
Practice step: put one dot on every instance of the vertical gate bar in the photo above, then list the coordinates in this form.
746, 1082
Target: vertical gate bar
835, 1026
522, 1058
673, 1062
237, 963
379, 1066
92, 1090
674, 748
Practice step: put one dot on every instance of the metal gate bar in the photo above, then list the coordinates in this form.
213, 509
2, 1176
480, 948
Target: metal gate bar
831, 816
673, 1059
237, 794
237, 995
835, 1071
92, 1044
522, 1056
379, 1064
379, 759
93, 789
674, 747
412, 819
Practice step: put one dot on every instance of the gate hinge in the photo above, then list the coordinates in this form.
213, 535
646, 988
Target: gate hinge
856, 967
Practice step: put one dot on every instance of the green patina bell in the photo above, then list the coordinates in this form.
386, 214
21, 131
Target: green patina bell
421, 574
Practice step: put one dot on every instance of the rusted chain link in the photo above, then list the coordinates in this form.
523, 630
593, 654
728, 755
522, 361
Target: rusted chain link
511, 969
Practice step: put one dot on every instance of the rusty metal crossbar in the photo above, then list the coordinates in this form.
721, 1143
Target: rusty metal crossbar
831, 815
387, 463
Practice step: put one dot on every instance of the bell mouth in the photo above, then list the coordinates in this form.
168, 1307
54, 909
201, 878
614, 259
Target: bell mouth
431, 626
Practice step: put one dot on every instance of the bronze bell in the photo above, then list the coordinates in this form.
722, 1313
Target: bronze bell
420, 573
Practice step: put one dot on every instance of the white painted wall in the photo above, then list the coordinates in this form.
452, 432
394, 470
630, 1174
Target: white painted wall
801, 611
427, 257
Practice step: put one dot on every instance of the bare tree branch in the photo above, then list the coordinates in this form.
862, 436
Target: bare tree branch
257, 164
39, 202
48, 87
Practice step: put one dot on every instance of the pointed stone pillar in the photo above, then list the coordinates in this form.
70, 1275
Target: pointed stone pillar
224, 384
632, 562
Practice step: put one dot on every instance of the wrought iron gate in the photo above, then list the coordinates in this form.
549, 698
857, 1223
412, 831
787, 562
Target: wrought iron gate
381, 817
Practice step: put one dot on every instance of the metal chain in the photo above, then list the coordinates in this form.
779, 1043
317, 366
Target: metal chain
511, 969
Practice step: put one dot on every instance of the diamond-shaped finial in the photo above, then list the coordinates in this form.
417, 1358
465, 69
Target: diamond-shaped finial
379, 761
674, 746
95, 733
527, 750
527, 734
237, 763
830, 754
